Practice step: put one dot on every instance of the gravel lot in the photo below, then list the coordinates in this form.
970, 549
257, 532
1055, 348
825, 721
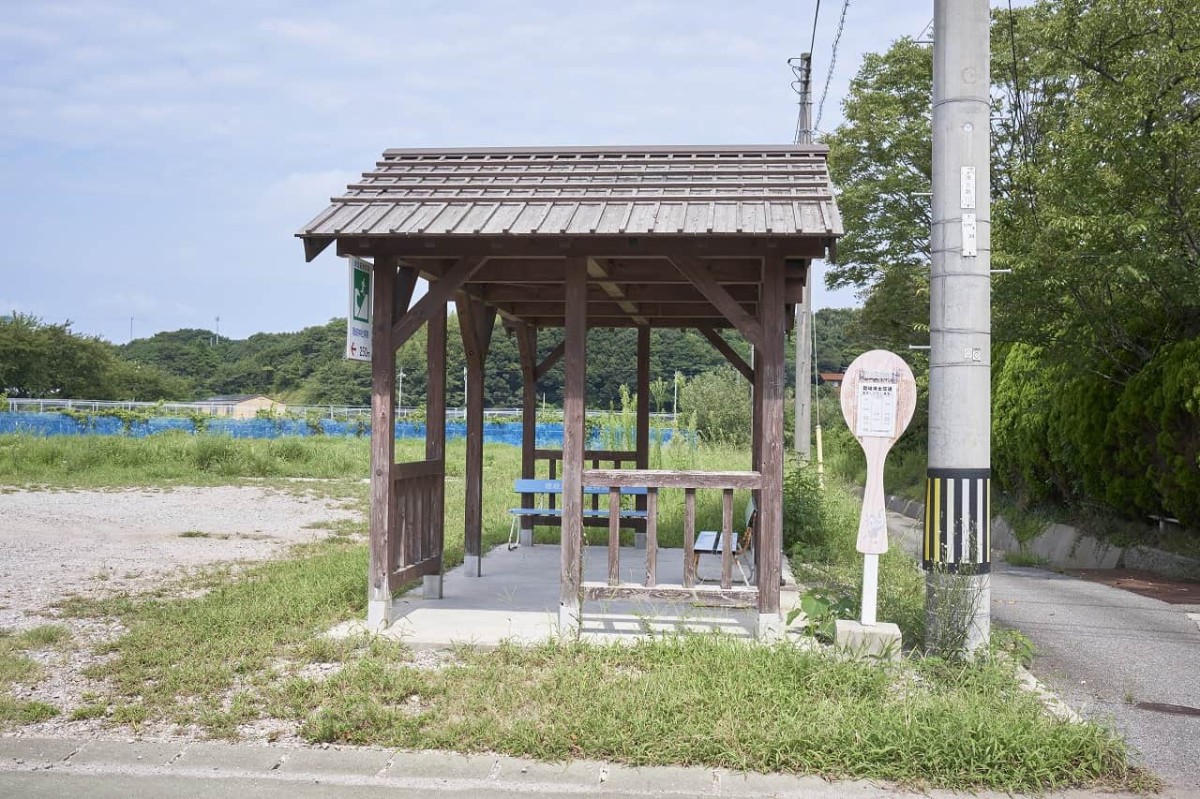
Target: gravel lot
57, 543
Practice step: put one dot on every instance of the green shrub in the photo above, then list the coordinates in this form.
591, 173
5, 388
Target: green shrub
1154, 432
720, 400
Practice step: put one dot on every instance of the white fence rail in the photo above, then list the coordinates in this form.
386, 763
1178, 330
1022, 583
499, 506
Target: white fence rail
22, 405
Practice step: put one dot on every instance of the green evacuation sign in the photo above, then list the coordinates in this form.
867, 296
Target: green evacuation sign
358, 322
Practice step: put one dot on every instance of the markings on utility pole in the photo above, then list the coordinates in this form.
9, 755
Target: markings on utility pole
966, 187
970, 247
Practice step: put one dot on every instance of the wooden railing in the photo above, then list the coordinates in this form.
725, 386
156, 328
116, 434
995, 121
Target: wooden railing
690, 482
416, 540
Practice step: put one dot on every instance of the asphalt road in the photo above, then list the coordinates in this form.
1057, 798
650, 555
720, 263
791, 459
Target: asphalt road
1107, 653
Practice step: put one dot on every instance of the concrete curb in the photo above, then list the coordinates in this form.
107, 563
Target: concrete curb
1067, 547
189, 765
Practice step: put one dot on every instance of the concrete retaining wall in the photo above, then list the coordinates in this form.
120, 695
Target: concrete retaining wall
1066, 547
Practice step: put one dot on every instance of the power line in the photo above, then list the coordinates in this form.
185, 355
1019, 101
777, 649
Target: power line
802, 70
832, 62
816, 15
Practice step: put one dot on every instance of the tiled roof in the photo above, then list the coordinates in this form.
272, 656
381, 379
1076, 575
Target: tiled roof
727, 191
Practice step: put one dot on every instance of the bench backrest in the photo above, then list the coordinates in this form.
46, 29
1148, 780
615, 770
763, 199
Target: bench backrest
527, 485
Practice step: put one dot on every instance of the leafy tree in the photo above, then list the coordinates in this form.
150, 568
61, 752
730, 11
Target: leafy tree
48, 360
1102, 226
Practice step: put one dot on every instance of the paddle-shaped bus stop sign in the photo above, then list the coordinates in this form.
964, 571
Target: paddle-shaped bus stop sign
878, 399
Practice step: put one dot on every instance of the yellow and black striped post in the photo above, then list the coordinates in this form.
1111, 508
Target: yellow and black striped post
958, 528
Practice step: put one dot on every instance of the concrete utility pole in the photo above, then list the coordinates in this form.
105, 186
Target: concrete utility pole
804, 337
957, 508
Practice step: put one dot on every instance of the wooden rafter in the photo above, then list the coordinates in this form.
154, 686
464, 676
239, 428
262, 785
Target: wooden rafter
731, 355
697, 272
440, 292
600, 273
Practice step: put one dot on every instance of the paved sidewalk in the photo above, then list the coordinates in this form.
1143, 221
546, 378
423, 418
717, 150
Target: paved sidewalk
112, 769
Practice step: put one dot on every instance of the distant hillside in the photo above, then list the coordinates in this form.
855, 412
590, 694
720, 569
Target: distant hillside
307, 367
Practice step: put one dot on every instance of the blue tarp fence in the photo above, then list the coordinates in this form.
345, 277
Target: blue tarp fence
60, 424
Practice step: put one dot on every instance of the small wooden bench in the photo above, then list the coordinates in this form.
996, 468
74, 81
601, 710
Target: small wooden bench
712, 542
553, 488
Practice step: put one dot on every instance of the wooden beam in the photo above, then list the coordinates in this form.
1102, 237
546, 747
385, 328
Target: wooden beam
731, 355
383, 438
667, 478
406, 283
598, 271
440, 292
695, 270
642, 444
769, 365
573, 445
593, 246
645, 312
527, 349
554, 357
552, 294
435, 426
476, 322
702, 595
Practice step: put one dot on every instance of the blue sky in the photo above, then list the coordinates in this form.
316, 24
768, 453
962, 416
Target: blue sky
157, 158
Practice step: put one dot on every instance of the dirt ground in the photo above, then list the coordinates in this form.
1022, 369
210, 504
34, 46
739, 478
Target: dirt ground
57, 543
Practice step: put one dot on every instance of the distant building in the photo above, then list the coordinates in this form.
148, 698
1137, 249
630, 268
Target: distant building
243, 406
832, 379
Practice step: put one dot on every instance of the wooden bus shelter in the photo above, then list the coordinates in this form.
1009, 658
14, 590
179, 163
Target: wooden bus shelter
708, 238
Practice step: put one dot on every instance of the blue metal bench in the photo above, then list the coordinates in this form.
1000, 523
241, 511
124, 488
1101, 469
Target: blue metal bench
554, 488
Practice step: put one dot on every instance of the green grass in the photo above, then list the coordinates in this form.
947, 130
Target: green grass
1024, 558
821, 545
231, 655
16, 667
714, 702
174, 458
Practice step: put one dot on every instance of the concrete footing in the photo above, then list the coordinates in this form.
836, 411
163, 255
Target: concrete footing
379, 614
472, 566
880, 640
770, 628
639, 540
525, 538
432, 586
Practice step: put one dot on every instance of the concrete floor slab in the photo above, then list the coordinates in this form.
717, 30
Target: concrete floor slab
517, 600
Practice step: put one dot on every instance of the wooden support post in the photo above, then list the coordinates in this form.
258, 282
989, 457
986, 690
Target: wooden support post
435, 441
769, 365
476, 323
727, 538
614, 536
689, 537
571, 584
643, 419
651, 537
527, 348
383, 530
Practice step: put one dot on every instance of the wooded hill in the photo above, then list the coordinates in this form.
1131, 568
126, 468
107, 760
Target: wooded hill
308, 368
